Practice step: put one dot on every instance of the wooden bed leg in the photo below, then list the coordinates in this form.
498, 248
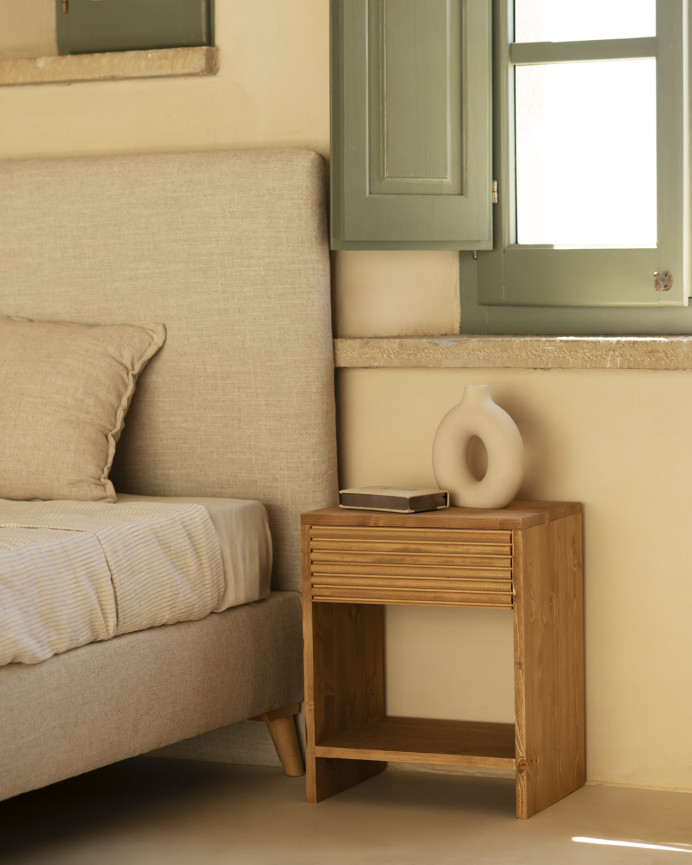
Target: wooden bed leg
283, 732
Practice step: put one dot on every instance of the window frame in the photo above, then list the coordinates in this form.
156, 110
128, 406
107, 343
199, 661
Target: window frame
543, 290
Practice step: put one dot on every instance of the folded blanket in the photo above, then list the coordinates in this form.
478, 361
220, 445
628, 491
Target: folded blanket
75, 572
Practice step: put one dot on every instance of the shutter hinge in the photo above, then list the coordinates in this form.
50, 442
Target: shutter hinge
494, 192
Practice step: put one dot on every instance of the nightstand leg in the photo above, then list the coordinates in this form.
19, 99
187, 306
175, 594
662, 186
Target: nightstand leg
344, 688
327, 776
549, 664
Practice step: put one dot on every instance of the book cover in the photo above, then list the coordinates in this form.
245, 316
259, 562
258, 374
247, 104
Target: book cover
403, 501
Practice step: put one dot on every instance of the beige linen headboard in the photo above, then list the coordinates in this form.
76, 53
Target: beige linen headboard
229, 251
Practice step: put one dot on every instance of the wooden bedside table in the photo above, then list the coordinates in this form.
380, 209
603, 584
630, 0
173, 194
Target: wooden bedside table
526, 557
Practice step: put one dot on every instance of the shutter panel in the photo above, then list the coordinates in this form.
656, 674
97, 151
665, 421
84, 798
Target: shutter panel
411, 124
88, 27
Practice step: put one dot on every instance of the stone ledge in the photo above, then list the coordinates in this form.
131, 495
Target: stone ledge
110, 66
516, 352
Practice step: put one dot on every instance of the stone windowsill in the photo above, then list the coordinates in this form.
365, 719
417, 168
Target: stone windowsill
516, 352
110, 66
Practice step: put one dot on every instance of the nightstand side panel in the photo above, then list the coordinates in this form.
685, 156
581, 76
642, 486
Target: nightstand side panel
344, 681
549, 663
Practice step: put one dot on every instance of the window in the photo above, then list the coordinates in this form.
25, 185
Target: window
592, 158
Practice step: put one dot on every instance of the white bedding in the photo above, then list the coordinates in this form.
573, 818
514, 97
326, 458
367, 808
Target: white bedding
76, 572
242, 528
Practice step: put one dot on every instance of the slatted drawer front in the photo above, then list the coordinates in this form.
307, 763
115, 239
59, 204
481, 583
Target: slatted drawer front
444, 567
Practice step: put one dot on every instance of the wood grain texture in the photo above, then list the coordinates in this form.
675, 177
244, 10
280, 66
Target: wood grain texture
527, 557
344, 681
404, 565
282, 728
408, 597
549, 664
518, 514
348, 693
426, 740
326, 777
382, 537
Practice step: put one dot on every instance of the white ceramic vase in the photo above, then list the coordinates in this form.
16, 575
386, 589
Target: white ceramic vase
478, 416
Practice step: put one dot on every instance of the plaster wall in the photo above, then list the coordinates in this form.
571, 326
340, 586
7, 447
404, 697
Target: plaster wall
615, 439
27, 28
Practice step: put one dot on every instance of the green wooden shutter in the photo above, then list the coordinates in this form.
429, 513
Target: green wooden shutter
411, 124
93, 26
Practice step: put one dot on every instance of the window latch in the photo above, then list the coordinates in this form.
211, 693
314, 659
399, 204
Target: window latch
663, 281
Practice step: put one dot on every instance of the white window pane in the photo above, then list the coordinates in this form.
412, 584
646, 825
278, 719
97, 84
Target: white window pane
560, 20
586, 154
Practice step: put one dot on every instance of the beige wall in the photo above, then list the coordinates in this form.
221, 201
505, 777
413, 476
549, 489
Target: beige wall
27, 28
272, 89
616, 440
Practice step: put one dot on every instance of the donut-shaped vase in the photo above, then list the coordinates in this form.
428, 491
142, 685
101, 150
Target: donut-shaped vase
477, 416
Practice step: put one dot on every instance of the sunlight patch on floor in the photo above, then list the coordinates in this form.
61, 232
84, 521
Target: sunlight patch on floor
638, 844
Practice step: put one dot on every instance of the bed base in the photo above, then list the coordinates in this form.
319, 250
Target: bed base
139, 692
229, 250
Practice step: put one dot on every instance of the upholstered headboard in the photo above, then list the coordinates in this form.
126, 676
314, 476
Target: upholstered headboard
229, 251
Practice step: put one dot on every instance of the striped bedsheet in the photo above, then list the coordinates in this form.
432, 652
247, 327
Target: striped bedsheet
72, 573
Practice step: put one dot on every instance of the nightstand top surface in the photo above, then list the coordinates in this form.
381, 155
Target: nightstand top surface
517, 515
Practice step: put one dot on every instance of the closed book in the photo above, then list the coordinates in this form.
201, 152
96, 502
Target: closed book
400, 501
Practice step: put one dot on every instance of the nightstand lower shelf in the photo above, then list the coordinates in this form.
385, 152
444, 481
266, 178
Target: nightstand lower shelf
424, 740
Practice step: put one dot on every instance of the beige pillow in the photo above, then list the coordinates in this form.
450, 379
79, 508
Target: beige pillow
64, 392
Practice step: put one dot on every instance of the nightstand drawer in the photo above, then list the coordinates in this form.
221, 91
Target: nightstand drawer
388, 565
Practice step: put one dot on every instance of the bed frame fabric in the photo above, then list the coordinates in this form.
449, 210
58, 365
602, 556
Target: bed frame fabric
108, 701
229, 251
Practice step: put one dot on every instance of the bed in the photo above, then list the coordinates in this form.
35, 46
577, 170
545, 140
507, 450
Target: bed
222, 259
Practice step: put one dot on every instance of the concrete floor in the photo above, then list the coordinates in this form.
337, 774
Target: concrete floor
153, 811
